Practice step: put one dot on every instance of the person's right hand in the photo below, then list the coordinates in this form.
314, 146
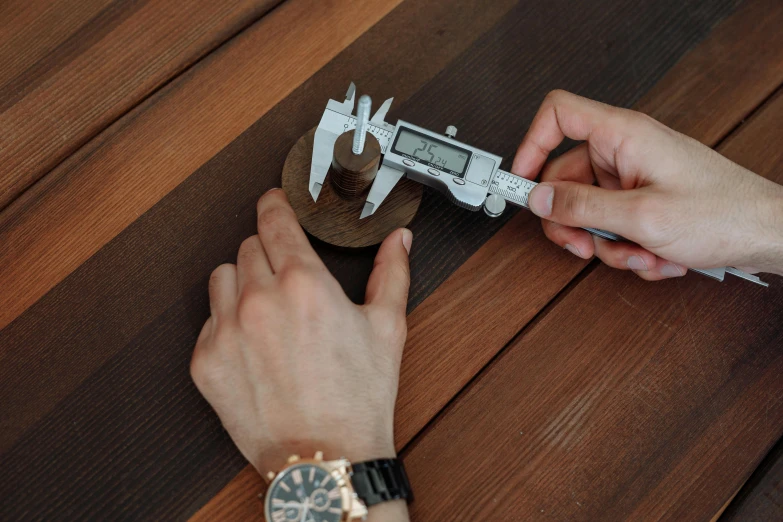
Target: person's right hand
684, 204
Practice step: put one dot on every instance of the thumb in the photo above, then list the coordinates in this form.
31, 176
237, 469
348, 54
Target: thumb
390, 277
581, 205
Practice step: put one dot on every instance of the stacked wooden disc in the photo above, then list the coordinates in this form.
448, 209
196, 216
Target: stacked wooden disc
335, 219
352, 174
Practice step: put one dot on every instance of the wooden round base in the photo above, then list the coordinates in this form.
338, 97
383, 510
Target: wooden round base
336, 220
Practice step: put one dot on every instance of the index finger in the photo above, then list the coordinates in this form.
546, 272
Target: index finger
282, 237
561, 115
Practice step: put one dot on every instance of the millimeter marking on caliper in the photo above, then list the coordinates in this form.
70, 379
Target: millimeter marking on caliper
469, 177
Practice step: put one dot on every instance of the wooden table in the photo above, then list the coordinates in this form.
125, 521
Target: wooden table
135, 138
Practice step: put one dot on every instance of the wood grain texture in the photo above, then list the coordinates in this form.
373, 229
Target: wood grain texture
167, 277
336, 220
67, 72
761, 498
741, 63
625, 401
438, 321
98, 191
158, 451
150, 264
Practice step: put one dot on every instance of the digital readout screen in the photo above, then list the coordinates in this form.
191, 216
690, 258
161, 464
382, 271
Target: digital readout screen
431, 152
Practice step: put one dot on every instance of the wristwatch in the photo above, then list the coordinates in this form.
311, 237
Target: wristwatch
315, 490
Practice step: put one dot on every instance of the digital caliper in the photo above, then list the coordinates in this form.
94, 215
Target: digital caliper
469, 177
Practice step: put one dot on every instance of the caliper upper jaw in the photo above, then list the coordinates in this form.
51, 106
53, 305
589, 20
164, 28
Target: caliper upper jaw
385, 181
380, 114
323, 142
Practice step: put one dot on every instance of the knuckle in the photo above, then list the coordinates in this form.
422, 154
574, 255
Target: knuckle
400, 327
648, 218
390, 325
301, 285
200, 369
218, 275
252, 305
272, 195
577, 202
400, 271
555, 96
249, 247
274, 216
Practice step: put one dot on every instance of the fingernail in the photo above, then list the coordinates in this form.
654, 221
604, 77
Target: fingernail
407, 239
541, 198
671, 270
571, 248
273, 188
637, 263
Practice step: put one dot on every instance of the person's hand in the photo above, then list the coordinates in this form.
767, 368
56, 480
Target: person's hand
684, 204
288, 362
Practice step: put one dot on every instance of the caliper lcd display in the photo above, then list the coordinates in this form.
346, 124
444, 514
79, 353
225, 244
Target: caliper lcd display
431, 152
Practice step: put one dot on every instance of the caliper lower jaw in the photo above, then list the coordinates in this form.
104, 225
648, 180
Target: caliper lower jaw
385, 181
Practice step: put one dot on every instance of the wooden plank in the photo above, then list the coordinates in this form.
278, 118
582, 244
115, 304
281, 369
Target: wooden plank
109, 345
761, 498
142, 275
431, 374
625, 401
93, 195
748, 48
31, 30
67, 72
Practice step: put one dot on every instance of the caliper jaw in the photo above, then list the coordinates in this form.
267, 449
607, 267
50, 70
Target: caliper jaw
329, 129
385, 181
336, 120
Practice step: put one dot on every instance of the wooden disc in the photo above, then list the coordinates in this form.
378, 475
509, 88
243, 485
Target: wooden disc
336, 220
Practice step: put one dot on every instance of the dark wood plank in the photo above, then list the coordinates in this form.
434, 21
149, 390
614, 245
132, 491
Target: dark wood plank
625, 401
68, 71
761, 498
91, 197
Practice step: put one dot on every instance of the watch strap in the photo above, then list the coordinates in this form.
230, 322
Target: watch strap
381, 480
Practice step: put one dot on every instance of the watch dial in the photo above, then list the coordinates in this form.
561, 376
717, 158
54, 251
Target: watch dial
304, 493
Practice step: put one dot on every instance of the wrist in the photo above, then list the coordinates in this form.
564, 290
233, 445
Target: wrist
275, 457
770, 247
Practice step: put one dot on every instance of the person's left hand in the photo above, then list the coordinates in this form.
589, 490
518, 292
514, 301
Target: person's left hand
288, 362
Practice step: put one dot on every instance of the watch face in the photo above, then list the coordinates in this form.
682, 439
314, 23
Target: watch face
304, 493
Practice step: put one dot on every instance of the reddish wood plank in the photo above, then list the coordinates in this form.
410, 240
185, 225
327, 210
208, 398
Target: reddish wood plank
626, 401
67, 72
93, 195
32, 29
444, 351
